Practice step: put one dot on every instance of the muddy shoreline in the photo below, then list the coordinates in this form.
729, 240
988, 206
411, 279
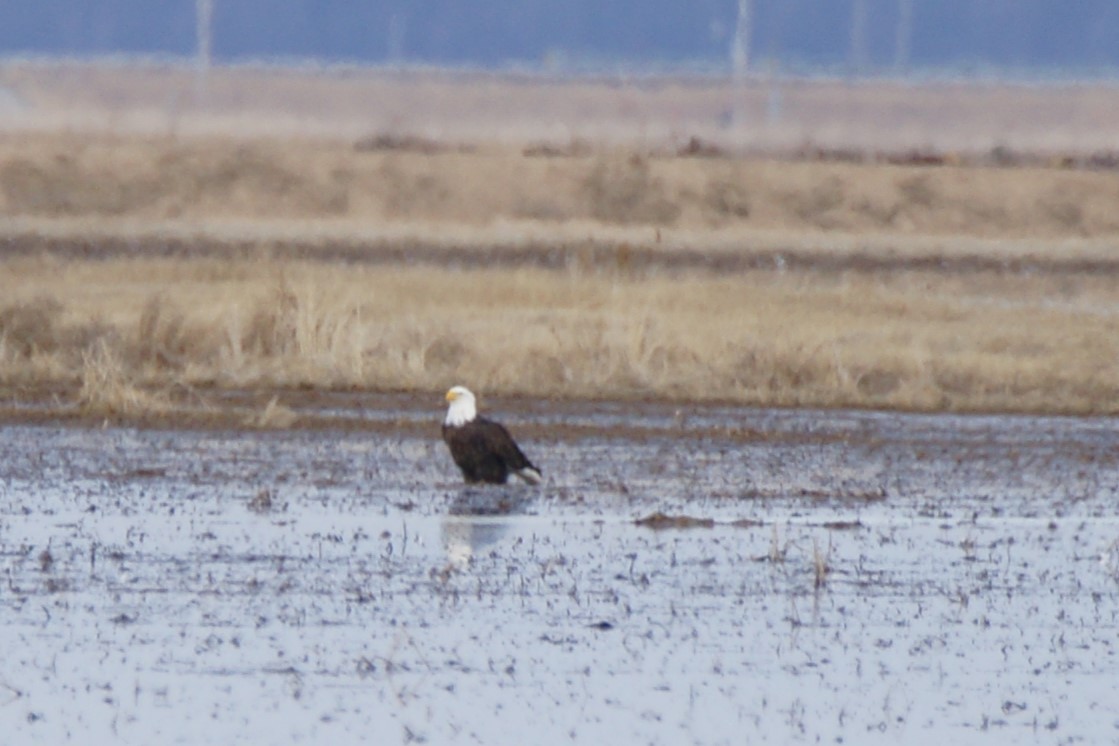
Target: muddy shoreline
419, 414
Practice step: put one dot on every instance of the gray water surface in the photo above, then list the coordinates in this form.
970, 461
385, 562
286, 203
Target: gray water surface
869, 578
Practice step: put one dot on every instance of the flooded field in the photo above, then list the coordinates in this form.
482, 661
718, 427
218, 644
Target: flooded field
815, 577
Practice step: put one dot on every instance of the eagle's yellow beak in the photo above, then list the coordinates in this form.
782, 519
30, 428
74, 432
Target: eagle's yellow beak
451, 395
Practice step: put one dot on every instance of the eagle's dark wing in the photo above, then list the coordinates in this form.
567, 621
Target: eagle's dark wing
485, 452
503, 445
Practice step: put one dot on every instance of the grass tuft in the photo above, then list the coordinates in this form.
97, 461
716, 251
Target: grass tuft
821, 563
107, 388
274, 416
31, 327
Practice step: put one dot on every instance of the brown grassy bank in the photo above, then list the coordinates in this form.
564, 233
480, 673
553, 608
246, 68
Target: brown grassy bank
128, 335
338, 186
140, 273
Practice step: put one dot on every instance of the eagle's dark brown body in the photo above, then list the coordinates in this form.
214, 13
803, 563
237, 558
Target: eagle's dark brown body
485, 452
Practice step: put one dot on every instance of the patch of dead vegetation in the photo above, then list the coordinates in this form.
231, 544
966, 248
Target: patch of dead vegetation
63, 186
109, 389
574, 148
274, 416
624, 190
407, 143
418, 180
122, 330
30, 328
660, 521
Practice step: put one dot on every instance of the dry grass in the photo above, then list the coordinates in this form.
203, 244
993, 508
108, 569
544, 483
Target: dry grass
274, 416
821, 563
335, 188
915, 340
107, 387
135, 267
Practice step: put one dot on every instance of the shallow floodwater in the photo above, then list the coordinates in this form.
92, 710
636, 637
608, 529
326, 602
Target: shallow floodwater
851, 578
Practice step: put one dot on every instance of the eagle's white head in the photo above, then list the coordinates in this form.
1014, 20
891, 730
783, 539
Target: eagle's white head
463, 407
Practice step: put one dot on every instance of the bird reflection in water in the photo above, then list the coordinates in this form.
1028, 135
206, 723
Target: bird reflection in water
475, 519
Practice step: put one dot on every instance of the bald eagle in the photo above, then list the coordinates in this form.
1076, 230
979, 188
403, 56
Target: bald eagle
482, 448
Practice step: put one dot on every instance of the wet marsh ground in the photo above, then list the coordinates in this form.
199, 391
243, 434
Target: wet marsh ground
851, 577
246, 556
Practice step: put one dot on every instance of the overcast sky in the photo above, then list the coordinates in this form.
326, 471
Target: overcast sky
1044, 35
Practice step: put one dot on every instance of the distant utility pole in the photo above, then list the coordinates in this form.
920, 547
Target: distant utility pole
859, 56
740, 47
740, 59
903, 39
204, 17
397, 25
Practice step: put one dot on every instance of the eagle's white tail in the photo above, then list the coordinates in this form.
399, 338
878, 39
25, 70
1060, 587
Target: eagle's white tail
530, 475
